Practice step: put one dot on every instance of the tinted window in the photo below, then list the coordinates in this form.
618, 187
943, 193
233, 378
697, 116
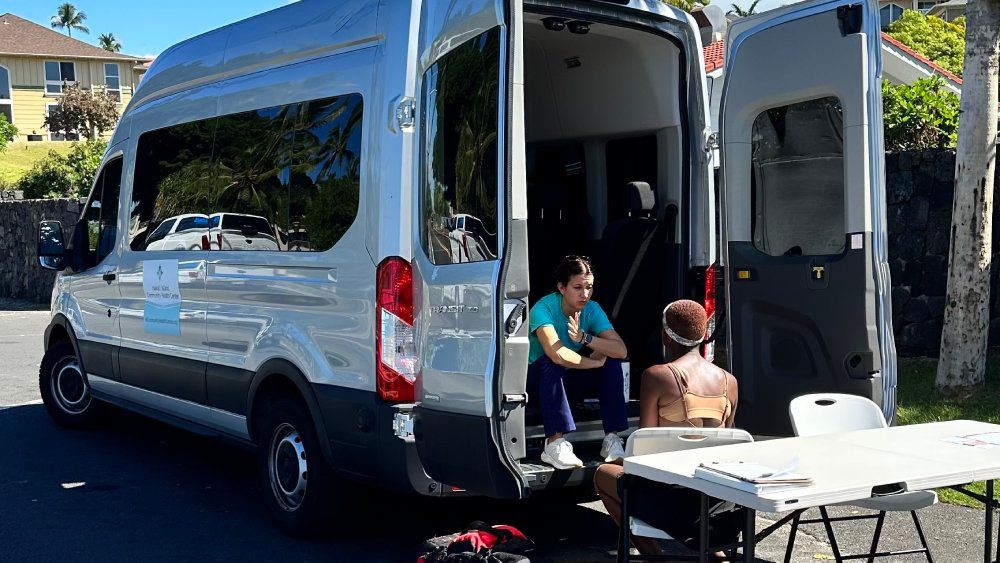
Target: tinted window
459, 119
160, 231
96, 233
325, 174
798, 179
280, 178
174, 176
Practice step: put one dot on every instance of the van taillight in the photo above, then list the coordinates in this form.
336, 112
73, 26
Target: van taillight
708, 301
395, 349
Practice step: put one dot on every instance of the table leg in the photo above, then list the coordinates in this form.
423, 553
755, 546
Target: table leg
703, 531
749, 536
988, 531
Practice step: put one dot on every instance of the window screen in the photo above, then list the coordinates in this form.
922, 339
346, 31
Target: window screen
798, 179
459, 119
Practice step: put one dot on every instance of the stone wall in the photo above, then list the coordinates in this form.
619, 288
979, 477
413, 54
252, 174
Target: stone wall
920, 190
20, 275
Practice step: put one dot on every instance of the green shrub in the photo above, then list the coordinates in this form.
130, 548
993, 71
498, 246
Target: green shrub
923, 115
940, 41
48, 178
64, 176
7, 132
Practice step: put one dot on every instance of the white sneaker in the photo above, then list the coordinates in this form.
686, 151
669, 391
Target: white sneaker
613, 448
559, 454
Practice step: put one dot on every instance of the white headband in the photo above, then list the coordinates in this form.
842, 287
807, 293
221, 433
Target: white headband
676, 337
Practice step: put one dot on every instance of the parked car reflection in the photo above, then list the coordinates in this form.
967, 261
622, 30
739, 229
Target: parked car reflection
182, 232
236, 231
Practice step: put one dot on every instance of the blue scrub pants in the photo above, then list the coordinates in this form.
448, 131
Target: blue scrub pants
551, 382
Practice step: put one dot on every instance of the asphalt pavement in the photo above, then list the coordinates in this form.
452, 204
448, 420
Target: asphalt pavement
135, 489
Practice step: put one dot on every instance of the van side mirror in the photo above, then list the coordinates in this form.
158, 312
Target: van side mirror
51, 248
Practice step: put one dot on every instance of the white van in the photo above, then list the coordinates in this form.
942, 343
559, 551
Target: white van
441, 157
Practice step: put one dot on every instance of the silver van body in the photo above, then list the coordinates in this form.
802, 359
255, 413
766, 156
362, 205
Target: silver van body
419, 165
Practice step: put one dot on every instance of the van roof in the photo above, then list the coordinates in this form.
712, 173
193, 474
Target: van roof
305, 29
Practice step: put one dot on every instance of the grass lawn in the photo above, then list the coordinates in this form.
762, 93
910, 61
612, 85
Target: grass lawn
20, 157
917, 402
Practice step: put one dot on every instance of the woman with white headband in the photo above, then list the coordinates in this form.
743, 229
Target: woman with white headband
688, 390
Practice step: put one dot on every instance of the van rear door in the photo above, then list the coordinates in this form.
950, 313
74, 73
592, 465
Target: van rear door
804, 197
470, 247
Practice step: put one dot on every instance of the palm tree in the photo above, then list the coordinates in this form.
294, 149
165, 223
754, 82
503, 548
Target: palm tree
69, 18
740, 12
108, 42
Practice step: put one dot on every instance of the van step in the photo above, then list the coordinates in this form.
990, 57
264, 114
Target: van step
586, 431
542, 476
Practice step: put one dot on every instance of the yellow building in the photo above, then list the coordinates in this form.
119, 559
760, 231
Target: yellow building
36, 63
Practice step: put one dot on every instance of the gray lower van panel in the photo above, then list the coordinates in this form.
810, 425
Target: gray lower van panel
791, 332
97, 357
181, 378
469, 452
228, 388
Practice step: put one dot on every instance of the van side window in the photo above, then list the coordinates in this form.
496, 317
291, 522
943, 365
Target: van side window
459, 153
798, 179
98, 226
325, 174
174, 175
273, 179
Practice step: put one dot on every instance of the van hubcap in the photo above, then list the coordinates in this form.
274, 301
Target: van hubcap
287, 467
69, 386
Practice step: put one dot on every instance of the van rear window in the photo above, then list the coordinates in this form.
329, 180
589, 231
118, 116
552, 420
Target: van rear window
459, 160
798, 179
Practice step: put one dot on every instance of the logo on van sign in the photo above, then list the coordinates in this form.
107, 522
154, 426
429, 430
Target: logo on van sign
437, 309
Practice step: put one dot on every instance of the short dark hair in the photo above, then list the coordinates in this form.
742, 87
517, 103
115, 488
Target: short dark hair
570, 266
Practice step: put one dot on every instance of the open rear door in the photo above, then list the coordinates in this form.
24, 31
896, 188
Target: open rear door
804, 197
470, 247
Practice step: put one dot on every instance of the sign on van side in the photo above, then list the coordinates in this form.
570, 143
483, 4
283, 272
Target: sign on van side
161, 284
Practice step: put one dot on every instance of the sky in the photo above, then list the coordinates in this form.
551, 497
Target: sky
147, 27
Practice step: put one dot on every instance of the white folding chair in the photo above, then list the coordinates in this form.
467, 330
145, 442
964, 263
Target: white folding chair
671, 439
826, 413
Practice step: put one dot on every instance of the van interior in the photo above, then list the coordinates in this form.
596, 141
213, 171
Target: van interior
604, 106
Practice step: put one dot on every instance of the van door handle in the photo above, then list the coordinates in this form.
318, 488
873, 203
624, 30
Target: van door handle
109, 277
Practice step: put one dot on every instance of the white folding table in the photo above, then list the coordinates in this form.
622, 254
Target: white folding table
844, 467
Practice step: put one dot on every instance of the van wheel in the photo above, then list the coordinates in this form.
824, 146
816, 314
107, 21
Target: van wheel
297, 480
64, 387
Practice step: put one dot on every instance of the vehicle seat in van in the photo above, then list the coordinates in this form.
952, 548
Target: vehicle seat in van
799, 180
637, 300
556, 228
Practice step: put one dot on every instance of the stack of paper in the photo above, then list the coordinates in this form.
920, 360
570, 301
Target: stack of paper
751, 477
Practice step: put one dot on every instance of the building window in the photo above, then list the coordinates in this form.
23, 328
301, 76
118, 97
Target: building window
57, 75
889, 13
112, 82
925, 6
59, 136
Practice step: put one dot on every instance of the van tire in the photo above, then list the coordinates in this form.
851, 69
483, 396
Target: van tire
298, 482
64, 387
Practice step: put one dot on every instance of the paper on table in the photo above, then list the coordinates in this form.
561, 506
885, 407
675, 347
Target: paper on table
757, 473
984, 441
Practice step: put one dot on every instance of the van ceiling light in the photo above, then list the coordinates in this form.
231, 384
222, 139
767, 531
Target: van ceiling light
579, 26
554, 24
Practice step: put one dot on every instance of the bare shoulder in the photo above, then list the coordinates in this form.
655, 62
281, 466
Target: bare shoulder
659, 379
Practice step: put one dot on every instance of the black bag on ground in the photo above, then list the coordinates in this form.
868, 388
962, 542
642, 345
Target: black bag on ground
479, 543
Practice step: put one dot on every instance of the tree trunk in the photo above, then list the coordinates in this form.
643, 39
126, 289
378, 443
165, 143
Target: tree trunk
967, 315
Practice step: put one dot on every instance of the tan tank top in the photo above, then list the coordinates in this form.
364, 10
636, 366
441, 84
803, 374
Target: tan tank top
693, 405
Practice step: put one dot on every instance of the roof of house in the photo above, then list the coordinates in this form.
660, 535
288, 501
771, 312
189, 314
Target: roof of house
714, 58
714, 54
930, 65
19, 36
